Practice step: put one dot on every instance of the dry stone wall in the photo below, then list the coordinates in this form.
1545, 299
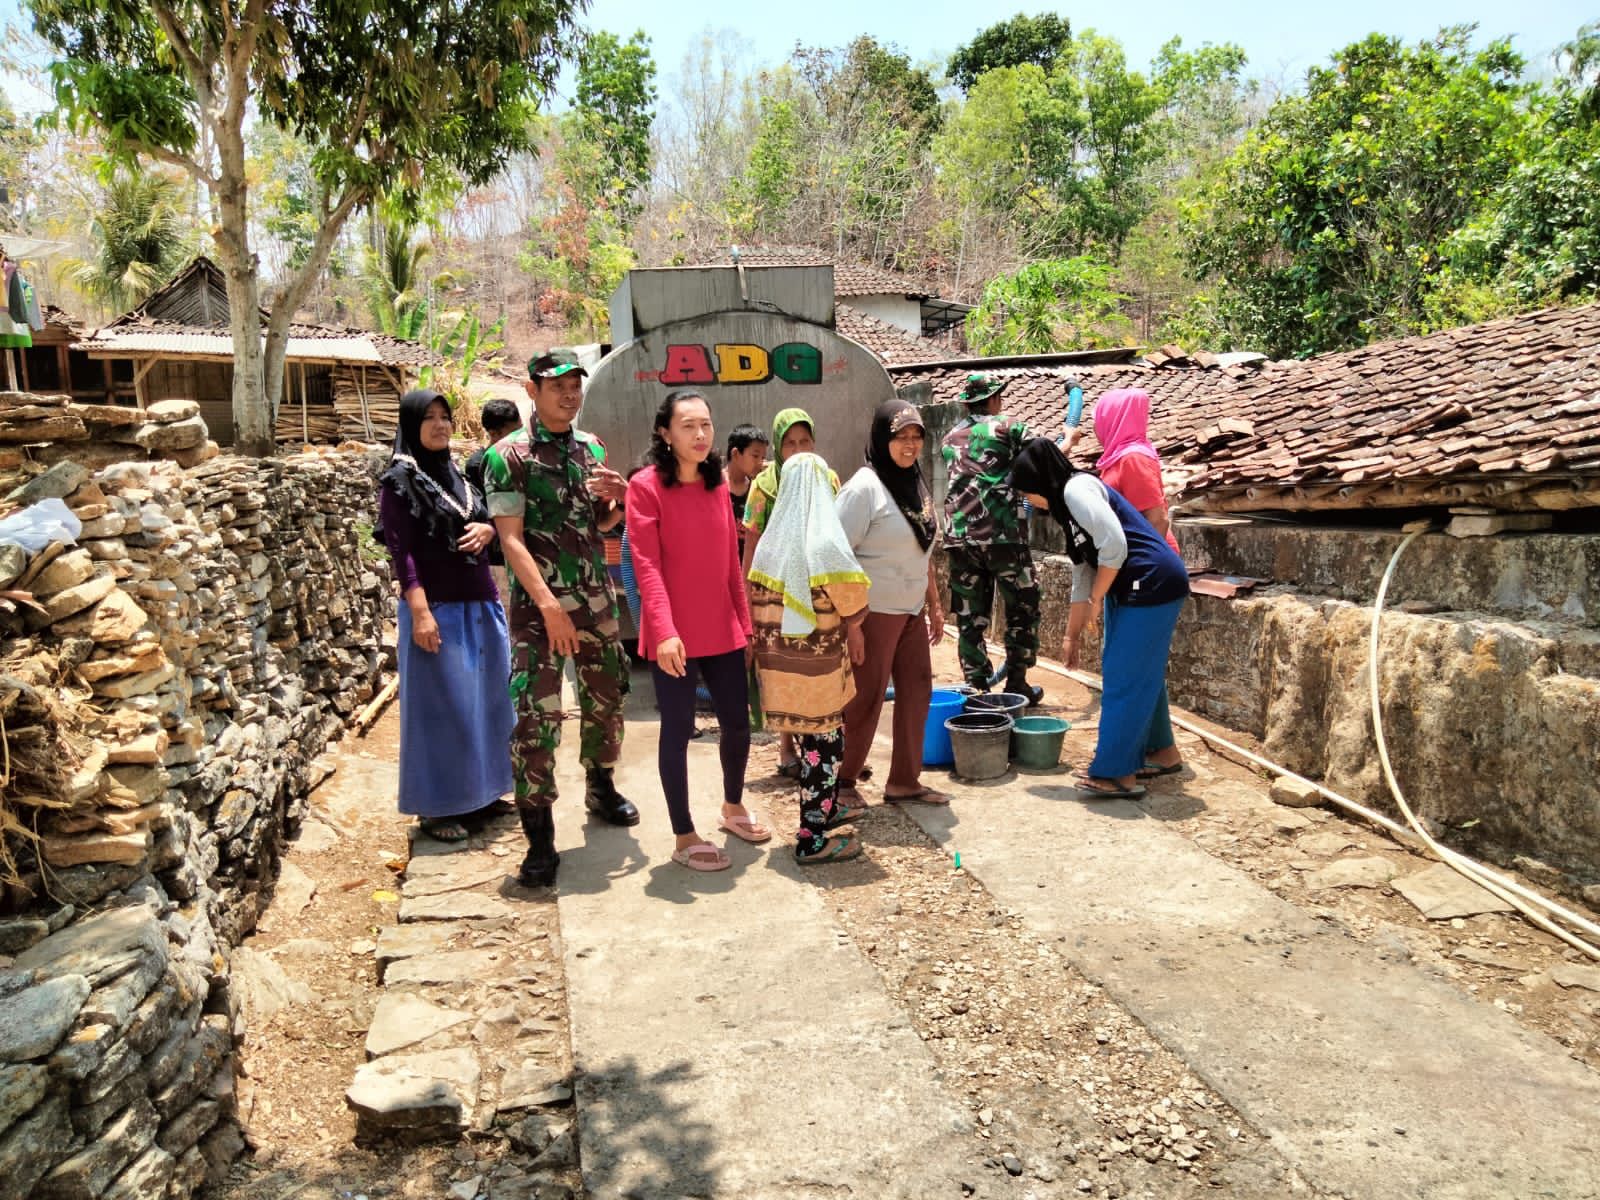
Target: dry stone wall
167, 684
1490, 676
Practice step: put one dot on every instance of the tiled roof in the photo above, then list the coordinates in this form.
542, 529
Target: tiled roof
1414, 418
889, 342
1518, 394
850, 278
1182, 399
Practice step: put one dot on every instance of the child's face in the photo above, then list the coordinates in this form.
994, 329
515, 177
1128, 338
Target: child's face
797, 439
751, 459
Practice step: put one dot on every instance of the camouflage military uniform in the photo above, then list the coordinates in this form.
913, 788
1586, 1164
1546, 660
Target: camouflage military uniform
542, 476
986, 536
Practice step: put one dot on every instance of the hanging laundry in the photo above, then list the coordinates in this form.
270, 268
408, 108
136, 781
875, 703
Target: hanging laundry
30, 301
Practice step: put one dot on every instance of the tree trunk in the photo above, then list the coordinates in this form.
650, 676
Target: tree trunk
254, 405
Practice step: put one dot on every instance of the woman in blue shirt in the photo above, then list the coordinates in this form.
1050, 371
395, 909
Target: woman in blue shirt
1121, 562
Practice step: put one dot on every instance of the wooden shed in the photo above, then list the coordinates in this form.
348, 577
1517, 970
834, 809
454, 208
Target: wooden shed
338, 382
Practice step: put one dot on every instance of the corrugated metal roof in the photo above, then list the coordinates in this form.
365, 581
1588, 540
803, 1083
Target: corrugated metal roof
134, 340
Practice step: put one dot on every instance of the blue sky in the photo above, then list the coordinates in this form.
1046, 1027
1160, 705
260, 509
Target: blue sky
1281, 40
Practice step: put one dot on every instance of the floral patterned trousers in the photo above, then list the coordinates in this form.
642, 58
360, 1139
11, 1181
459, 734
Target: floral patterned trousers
820, 755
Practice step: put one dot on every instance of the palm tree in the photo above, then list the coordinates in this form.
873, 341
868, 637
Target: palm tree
391, 277
141, 234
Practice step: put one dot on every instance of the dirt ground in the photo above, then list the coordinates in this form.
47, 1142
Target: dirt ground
1063, 1084
298, 1063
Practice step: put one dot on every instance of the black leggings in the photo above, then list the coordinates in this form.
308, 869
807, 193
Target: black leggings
725, 679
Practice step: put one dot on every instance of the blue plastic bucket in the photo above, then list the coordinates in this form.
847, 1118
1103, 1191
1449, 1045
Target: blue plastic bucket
936, 750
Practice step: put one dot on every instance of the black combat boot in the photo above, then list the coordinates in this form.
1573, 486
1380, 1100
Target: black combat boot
1017, 684
604, 801
539, 867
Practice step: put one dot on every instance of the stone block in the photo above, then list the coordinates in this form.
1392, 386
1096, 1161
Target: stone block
62, 851
417, 1097
146, 1177
109, 416
168, 411
188, 1127
63, 427
33, 1145
1294, 793
123, 687
403, 1020
100, 947
135, 786
210, 1046
1367, 872
179, 435
87, 1173
13, 561
68, 570
21, 1088
18, 933
134, 658
33, 1022
144, 750
115, 619
82, 1053
71, 600
59, 482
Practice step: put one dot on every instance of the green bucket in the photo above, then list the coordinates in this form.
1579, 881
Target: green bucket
1037, 741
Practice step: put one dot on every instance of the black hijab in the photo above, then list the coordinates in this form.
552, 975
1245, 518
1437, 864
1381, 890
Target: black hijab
905, 484
1042, 469
427, 480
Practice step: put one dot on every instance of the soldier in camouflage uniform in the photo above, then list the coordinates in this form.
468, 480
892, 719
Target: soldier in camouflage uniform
552, 497
986, 536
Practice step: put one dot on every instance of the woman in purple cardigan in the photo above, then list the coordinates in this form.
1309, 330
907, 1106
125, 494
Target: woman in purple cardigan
454, 653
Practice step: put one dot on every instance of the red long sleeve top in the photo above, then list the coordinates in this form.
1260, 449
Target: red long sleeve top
686, 560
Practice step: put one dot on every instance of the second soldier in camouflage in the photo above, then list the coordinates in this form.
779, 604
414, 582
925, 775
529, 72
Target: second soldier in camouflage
986, 536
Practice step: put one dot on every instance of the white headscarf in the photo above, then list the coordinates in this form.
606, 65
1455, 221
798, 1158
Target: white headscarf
804, 546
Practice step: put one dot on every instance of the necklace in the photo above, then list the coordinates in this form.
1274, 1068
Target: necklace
461, 510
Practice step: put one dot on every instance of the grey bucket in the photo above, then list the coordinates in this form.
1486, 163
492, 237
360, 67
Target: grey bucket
981, 743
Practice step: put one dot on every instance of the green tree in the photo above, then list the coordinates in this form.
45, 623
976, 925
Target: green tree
616, 99
141, 234
17, 143
388, 92
1023, 39
1056, 304
1326, 229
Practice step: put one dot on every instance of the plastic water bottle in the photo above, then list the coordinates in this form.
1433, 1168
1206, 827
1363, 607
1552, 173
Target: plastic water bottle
1074, 405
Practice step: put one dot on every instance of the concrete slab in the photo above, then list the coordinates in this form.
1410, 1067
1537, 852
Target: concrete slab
1371, 1077
726, 1043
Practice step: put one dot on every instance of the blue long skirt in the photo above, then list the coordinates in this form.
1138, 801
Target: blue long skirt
455, 711
1133, 668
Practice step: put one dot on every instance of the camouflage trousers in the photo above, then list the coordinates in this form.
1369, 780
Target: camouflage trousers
975, 573
602, 670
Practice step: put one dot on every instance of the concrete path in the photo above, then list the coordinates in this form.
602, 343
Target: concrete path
728, 1040
1371, 1077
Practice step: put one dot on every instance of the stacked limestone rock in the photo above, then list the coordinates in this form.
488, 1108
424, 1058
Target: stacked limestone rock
167, 684
54, 428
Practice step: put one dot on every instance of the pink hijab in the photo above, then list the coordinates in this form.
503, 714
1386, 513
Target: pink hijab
1122, 423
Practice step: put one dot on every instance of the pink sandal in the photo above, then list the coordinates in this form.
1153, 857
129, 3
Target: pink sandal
702, 856
746, 829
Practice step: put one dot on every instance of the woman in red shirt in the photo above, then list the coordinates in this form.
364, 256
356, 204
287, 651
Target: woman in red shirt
694, 618
1130, 466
